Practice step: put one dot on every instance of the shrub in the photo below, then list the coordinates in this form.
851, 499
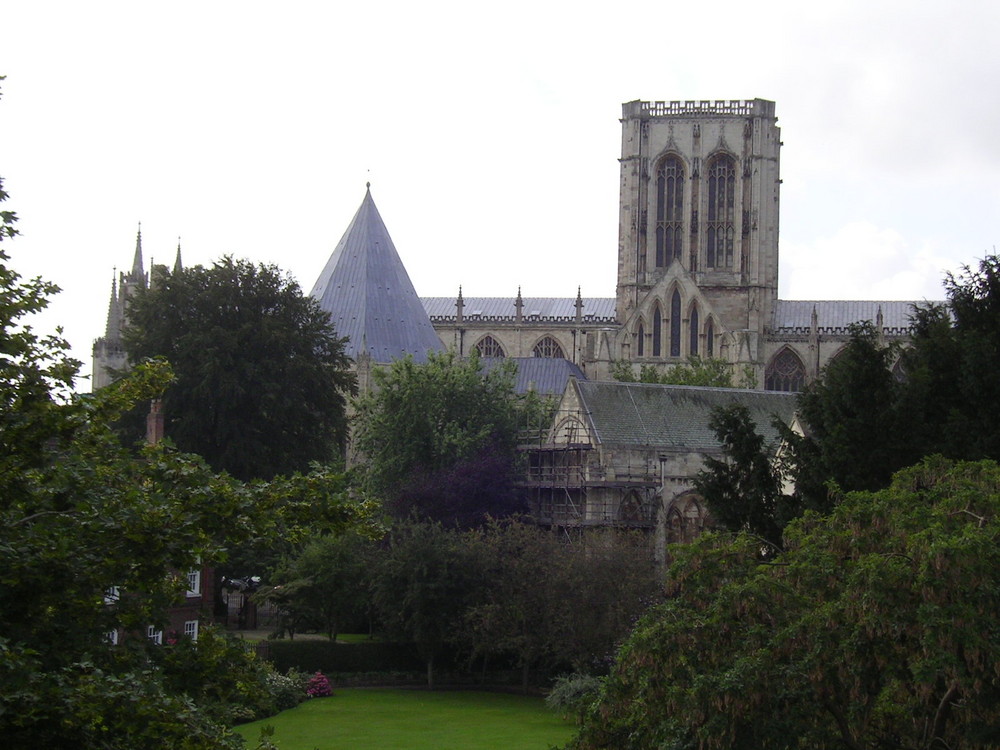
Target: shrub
573, 694
319, 686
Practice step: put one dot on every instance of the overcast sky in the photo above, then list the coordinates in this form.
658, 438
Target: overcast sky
489, 132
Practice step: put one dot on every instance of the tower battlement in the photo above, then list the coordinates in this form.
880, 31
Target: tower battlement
699, 108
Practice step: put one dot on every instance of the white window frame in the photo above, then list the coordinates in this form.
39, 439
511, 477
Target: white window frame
156, 636
112, 594
111, 637
191, 629
194, 583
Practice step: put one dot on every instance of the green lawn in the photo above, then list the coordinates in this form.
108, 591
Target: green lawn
391, 719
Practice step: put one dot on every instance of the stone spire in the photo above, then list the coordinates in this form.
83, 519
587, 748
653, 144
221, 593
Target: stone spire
137, 275
178, 266
369, 296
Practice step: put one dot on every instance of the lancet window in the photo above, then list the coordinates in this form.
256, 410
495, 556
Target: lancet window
640, 340
675, 324
709, 339
669, 210
721, 213
693, 347
657, 332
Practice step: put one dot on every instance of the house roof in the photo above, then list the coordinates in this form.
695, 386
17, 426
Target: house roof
544, 375
369, 296
835, 316
547, 309
675, 416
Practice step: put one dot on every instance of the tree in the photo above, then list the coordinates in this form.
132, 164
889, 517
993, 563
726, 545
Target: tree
952, 388
745, 489
425, 581
261, 377
700, 371
80, 514
325, 586
874, 628
440, 438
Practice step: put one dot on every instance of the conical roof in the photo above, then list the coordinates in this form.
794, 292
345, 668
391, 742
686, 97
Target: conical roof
369, 296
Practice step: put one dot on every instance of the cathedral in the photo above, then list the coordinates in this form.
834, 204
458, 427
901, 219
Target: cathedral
697, 277
699, 197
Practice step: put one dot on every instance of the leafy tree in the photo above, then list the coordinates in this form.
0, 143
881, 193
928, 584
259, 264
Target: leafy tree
875, 628
701, 371
952, 388
440, 438
549, 601
261, 377
80, 514
858, 434
325, 586
424, 582
745, 489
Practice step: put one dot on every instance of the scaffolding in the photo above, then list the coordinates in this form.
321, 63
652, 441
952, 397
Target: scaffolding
567, 485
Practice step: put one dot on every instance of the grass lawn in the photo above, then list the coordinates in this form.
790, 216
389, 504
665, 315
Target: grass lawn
389, 719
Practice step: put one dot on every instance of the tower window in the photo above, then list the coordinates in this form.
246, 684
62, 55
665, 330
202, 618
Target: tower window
721, 212
657, 332
693, 348
490, 347
675, 324
548, 348
669, 210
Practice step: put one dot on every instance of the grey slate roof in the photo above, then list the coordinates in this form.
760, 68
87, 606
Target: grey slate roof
542, 309
834, 316
369, 296
543, 375
675, 416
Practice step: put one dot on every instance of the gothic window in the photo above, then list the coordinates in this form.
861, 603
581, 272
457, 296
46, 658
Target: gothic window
675, 324
548, 348
785, 373
489, 347
640, 340
693, 348
710, 339
685, 519
721, 212
657, 332
631, 508
669, 209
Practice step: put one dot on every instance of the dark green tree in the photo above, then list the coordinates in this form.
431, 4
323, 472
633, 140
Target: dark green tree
875, 628
423, 584
700, 371
324, 587
439, 439
951, 368
744, 490
858, 431
261, 376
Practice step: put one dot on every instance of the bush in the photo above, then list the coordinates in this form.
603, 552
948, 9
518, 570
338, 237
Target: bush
319, 686
326, 657
573, 694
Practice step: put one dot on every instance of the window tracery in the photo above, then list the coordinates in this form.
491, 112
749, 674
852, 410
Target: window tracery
669, 210
721, 212
675, 324
785, 372
490, 347
548, 348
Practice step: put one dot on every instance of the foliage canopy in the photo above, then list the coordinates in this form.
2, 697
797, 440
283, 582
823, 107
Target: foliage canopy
261, 376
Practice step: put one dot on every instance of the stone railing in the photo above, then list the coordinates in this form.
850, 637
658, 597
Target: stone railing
733, 107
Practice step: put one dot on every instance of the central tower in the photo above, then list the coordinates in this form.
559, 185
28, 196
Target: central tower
698, 228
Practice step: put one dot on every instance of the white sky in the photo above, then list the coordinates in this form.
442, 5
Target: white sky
489, 132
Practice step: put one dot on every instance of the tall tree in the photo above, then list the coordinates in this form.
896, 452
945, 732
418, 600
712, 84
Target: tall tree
875, 628
261, 376
951, 369
744, 490
440, 438
858, 432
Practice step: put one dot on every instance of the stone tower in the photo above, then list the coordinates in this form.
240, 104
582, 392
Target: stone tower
698, 229
109, 351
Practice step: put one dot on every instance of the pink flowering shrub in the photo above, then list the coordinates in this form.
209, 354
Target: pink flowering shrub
319, 686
